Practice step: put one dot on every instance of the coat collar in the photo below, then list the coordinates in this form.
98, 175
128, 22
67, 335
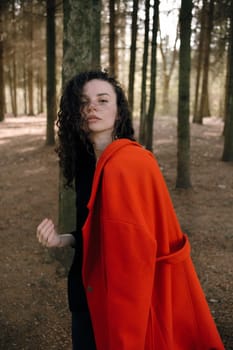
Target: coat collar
109, 151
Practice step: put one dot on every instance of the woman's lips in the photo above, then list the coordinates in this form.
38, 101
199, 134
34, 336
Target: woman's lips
92, 119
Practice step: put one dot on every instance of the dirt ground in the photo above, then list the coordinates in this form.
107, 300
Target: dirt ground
33, 301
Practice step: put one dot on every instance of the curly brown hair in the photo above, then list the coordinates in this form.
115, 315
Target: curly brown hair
74, 149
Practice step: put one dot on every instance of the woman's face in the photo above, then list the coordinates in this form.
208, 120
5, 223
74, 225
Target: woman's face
99, 106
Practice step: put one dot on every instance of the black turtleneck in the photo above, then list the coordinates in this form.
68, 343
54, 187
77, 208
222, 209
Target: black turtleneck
83, 185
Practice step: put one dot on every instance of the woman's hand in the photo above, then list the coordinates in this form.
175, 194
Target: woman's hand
47, 235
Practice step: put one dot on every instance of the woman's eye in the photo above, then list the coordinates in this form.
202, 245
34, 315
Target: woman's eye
84, 103
103, 101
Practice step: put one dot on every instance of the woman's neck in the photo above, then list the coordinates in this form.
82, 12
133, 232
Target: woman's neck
100, 141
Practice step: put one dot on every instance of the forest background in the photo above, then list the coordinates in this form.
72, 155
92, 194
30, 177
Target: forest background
174, 59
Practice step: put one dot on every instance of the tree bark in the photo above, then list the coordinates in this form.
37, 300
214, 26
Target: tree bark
167, 55
120, 57
142, 131
81, 51
152, 102
40, 93
25, 69
2, 85
25, 86
51, 71
112, 37
10, 83
30, 64
119, 14
183, 127
81, 43
204, 103
196, 118
228, 140
133, 46
41, 87
14, 71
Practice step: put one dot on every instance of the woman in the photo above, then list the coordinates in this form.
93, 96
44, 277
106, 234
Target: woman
138, 289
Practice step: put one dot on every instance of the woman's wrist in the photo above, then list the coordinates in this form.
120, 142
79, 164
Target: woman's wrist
66, 239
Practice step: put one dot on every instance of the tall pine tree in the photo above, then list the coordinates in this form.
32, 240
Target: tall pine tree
81, 51
183, 128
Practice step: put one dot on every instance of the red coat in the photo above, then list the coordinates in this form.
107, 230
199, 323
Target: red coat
142, 290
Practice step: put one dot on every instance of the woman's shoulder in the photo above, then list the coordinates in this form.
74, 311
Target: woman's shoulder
133, 156
136, 151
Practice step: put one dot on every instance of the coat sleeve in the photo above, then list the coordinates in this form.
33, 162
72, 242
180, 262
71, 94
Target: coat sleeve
129, 253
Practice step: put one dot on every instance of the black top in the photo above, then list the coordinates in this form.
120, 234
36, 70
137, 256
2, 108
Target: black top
83, 184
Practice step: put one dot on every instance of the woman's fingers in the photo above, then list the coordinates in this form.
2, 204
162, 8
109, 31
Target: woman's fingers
41, 228
47, 235
45, 231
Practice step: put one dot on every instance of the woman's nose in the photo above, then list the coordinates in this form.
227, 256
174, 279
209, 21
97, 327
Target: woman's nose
91, 106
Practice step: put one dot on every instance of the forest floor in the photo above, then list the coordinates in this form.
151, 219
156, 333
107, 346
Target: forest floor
33, 302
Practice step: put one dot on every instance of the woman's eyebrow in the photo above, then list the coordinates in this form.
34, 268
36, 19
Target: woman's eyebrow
102, 94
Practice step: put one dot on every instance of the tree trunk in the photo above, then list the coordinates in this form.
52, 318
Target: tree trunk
151, 109
51, 71
112, 37
118, 18
25, 69
41, 87
133, 46
204, 104
228, 141
25, 86
10, 81
166, 83
2, 85
196, 118
40, 95
121, 40
81, 43
30, 64
81, 51
14, 72
14, 85
183, 127
142, 131
167, 71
